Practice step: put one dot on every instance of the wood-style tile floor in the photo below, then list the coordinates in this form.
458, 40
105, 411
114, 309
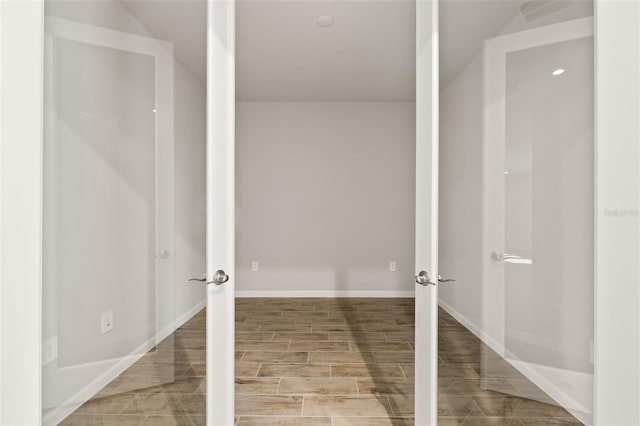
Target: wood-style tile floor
319, 361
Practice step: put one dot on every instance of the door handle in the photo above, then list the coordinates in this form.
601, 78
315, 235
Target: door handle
510, 258
423, 278
203, 279
448, 280
220, 277
163, 254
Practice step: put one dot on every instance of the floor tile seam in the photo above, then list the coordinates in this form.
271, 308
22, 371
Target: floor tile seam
135, 396
310, 394
258, 371
288, 416
480, 408
404, 373
204, 380
389, 407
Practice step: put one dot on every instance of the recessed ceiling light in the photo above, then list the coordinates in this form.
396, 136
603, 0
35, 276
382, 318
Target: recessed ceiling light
325, 21
506, 173
558, 72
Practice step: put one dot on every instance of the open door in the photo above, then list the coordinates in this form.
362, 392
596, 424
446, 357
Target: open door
220, 211
108, 211
426, 263
539, 216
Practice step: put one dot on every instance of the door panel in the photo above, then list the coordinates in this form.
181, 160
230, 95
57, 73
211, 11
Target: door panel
539, 232
220, 211
108, 225
426, 263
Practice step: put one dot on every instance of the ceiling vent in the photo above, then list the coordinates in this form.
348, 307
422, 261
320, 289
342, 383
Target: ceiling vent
533, 10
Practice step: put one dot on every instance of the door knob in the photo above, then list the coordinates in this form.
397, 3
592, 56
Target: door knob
220, 277
423, 278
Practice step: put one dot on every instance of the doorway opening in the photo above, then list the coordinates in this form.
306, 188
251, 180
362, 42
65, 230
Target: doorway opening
325, 213
325, 207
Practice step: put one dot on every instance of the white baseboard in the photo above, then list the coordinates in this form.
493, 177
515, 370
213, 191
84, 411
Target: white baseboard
324, 293
552, 381
468, 324
471, 326
182, 319
59, 413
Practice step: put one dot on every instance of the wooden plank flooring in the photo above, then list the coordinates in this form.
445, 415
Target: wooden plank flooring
320, 361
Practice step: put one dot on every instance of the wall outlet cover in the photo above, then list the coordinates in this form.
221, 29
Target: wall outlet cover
49, 350
106, 324
255, 266
392, 266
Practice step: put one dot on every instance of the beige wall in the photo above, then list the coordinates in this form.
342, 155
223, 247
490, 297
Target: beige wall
325, 197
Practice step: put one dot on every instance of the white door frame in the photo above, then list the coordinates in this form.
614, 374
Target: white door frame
617, 242
617, 349
21, 105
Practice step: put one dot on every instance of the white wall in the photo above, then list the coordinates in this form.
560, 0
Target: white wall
461, 191
104, 261
325, 197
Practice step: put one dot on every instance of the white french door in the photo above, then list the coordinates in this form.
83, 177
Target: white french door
220, 211
426, 221
538, 250
98, 171
221, 202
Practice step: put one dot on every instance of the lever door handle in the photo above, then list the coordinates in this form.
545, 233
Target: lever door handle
220, 277
423, 278
202, 280
448, 280
510, 258
163, 254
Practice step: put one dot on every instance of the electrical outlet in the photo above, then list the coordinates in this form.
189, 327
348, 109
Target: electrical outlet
107, 322
49, 350
392, 266
255, 266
